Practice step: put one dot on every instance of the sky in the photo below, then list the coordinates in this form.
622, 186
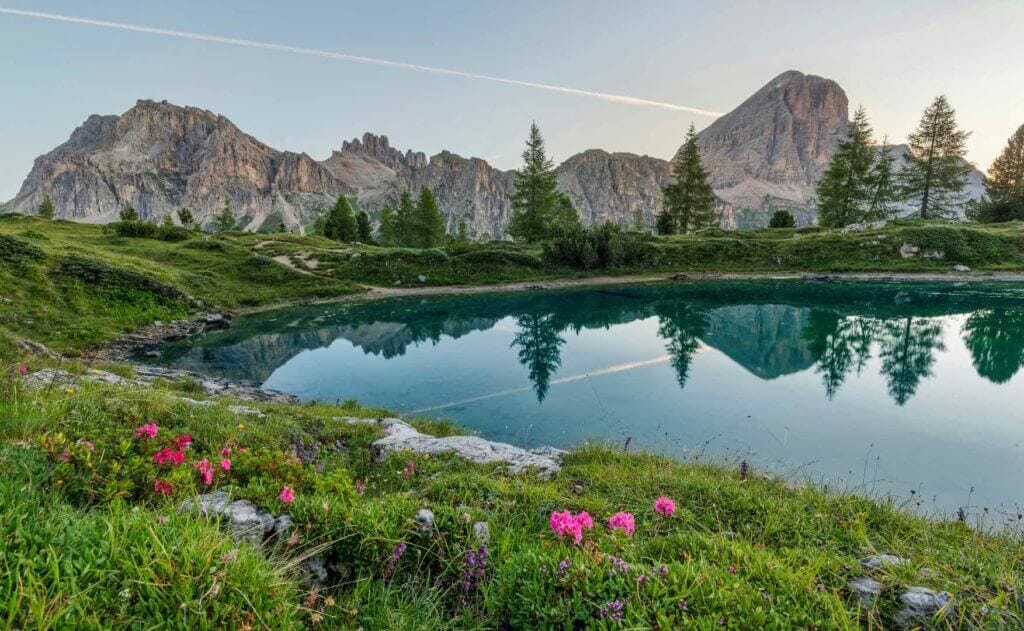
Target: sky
635, 72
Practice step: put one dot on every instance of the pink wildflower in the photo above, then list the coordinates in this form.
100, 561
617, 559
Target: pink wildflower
86, 443
167, 454
665, 506
622, 521
64, 457
183, 441
162, 487
148, 430
225, 464
22, 369
566, 524
287, 495
206, 470
226, 451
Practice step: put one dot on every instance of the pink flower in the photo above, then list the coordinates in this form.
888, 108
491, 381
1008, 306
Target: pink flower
665, 506
622, 521
166, 455
64, 457
162, 487
148, 430
85, 443
183, 441
22, 369
206, 470
226, 451
177, 457
566, 524
225, 464
287, 495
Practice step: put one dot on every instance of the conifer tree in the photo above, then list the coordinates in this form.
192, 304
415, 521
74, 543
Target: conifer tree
935, 173
167, 221
186, 218
885, 193
341, 223
664, 223
429, 223
462, 235
128, 213
782, 218
386, 232
363, 228
536, 203
226, 219
45, 210
844, 190
689, 199
405, 218
1004, 187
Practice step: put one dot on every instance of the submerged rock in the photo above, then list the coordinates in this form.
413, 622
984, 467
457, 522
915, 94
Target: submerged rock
400, 436
921, 604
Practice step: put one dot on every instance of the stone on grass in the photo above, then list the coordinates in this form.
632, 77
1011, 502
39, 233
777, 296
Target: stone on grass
243, 409
425, 520
482, 532
881, 561
246, 522
961, 268
920, 605
867, 589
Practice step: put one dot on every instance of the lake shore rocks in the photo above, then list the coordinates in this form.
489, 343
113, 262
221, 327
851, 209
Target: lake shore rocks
921, 604
400, 436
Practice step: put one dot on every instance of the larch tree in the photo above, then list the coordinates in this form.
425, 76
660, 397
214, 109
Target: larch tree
1004, 186
689, 198
386, 231
935, 173
844, 190
405, 219
363, 227
537, 204
341, 222
186, 218
45, 210
429, 222
885, 190
225, 220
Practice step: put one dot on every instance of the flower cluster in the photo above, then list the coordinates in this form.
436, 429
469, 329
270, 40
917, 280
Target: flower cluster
665, 506
618, 565
148, 430
168, 455
162, 487
624, 522
205, 470
474, 571
566, 524
287, 495
613, 609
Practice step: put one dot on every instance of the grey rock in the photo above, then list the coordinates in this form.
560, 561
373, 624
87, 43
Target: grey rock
421, 278
314, 570
400, 436
908, 251
864, 226
961, 268
867, 589
246, 410
482, 532
282, 526
425, 520
881, 561
245, 520
921, 604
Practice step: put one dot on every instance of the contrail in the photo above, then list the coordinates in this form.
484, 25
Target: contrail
297, 50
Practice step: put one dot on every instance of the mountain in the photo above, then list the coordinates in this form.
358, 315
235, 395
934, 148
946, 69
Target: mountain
160, 157
765, 154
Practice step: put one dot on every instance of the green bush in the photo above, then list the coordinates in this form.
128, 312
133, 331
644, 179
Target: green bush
500, 256
601, 246
19, 253
206, 245
99, 274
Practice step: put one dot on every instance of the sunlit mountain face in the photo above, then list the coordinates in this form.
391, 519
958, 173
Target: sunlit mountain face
921, 380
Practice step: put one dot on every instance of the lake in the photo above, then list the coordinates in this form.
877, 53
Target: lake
909, 389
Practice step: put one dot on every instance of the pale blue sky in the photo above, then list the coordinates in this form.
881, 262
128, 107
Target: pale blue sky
892, 57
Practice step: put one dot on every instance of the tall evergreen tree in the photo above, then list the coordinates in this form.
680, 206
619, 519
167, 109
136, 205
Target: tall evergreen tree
935, 173
540, 349
1004, 187
363, 227
225, 221
462, 235
405, 220
689, 199
128, 213
167, 221
341, 222
844, 190
885, 192
537, 206
429, 223
664, 223
186, 218
45, 210
386, 232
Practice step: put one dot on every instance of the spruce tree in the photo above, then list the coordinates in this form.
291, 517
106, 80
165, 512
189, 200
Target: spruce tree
664, 223
405, 219
462, 236
885, 192
45, 210
844, 190
536, 201
935, 173
386, 231
128, 213
1004, 187
225, 221
689, 199
782, 218
341, 223
363, 228
429, 223
186, 218
167, 221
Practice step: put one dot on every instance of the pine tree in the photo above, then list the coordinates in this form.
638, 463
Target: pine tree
167, 221
386, 231
844, 190
935, 172
664, 223
535, 203
1004, 187
186, 218
462, 236
405, 219
225, 221
45, 210
341, 223
782, 218
429, 223
689, 199
885, 193
128, 213
363, 227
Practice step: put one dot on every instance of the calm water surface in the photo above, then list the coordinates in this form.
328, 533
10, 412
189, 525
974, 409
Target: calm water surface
909, 389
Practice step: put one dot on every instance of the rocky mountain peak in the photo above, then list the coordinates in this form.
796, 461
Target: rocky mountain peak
378, 148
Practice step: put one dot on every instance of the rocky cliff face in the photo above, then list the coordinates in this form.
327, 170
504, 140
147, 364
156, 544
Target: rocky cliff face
776, 143
160, 157
614, 186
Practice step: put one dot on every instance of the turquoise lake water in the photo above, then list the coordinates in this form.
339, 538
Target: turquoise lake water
911, 389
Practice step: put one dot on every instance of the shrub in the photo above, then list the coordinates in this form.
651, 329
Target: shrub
500, 257
135, 229
96, 273
206, 245
782, 219
19, 253
605, 245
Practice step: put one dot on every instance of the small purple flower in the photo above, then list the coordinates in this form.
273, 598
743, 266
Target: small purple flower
642, 580
613, 609
543, 569
474, 571
619, 565
743, 470
682, 604
399, 551
563, 567
663, 572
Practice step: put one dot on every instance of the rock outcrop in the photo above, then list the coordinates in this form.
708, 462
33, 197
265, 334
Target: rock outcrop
614, 186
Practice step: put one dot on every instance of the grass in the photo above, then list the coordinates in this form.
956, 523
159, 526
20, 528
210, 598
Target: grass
754, 552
